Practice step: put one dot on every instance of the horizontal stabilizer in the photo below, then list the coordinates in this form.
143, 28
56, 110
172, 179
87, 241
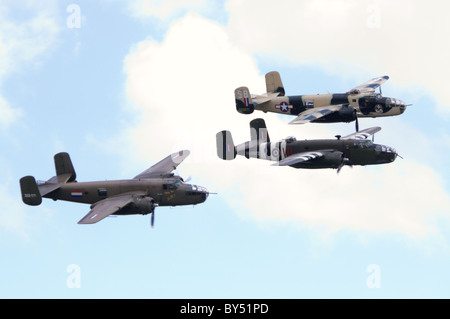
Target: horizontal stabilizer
51, 185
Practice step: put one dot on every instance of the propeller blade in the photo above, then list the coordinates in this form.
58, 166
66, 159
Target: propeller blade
356, 124
345, 161
152, 219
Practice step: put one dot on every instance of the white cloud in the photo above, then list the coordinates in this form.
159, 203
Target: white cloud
183, 89
8, 115
27, 30
404, 39
22, 41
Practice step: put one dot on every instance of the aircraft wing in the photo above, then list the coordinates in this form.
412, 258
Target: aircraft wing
315, 113
362, 135
369, 86
106, 207
164, 166
299, 158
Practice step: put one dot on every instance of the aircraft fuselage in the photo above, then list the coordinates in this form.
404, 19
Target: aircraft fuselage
366, 105
357, 152
166, 192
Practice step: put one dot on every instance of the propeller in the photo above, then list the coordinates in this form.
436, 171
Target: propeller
356, 124
152, 218
345, 161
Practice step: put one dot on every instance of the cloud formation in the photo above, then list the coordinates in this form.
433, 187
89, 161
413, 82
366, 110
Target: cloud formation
22, 42
27, 30
183, 90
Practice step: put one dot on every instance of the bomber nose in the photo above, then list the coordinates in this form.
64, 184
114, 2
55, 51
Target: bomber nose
393, 157
402, 106
392, 154
204, 193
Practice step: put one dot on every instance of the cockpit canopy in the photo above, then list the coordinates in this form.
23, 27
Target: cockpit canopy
199, 188
392, 102
364, 144
290, 139
383, 148
175, 184
172, 184
377, 147
367, 144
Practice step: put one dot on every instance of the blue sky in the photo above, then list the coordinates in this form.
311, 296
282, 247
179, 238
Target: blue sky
139, 80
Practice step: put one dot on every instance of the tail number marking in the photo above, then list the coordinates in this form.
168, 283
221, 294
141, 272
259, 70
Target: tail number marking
242, 94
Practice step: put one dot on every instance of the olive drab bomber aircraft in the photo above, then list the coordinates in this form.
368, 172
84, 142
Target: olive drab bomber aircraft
156, 186
353, 149
361, 101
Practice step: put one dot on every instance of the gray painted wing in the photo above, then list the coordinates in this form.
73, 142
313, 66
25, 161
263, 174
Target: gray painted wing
106, 207
362, 135
369, 86
298, 158
164, 166
315, 113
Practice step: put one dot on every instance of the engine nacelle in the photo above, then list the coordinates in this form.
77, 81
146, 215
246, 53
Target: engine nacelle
332, 159
347, 113
143, 205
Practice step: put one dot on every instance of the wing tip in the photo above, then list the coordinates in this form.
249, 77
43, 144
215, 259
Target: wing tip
179, 156
86, 221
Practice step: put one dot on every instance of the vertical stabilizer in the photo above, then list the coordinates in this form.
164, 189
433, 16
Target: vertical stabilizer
30, 191
225, 145
258, 131
274, 84
259, 138
64, 167
243, 99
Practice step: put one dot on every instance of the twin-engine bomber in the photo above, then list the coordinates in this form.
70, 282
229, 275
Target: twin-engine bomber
354, 149
361, 101
156, 186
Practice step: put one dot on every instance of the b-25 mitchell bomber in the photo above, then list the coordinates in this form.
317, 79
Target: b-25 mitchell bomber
156, 186
361, 101
353, 149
